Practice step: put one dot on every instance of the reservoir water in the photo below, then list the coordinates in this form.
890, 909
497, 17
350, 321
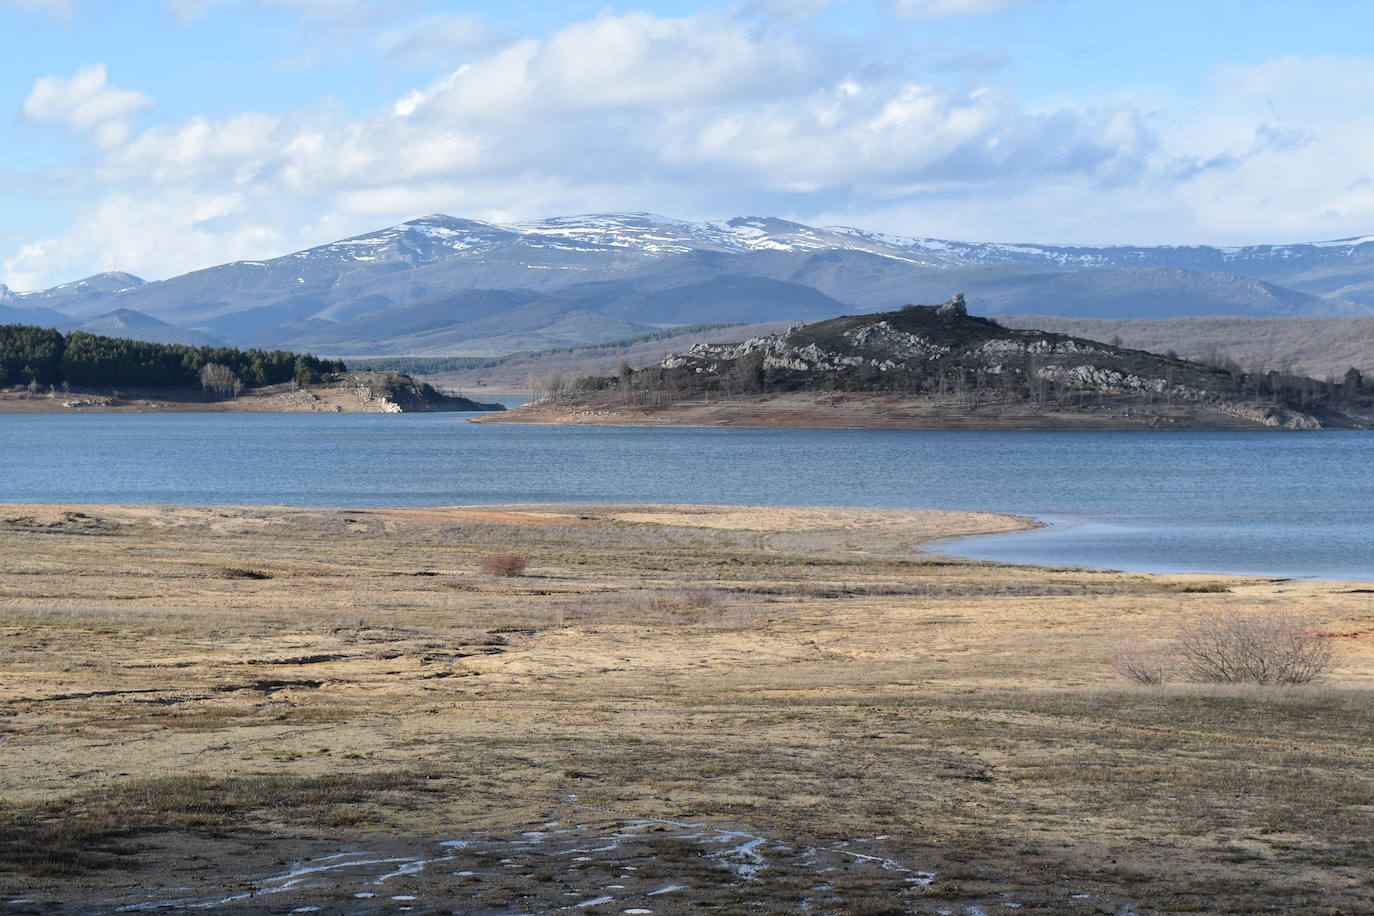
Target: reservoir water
1280, 504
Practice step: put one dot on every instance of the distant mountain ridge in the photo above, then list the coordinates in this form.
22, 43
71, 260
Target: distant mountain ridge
447, 285
1319, 347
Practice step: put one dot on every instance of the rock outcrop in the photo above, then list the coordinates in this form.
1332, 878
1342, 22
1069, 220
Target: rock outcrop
392, 392
943, 352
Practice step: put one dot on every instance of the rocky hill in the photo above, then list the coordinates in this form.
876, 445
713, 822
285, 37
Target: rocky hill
960, 370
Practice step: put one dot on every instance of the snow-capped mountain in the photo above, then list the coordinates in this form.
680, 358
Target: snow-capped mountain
90, 289
437, 235
642, 233
1277, 262
446, 284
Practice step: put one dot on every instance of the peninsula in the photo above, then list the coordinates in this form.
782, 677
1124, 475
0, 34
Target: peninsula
45, 371
937, 367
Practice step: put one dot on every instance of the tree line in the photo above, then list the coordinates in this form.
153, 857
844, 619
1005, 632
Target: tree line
43, 356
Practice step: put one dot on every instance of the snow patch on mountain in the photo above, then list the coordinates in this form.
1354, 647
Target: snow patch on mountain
1344, 243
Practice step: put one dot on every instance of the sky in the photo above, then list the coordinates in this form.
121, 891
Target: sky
163, 136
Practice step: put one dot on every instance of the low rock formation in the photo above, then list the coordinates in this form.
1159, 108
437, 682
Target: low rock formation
392, 392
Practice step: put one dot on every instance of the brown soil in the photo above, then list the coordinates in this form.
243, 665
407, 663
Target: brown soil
865, 411
774, 710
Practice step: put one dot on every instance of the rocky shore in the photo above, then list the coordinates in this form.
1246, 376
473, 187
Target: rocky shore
351, 392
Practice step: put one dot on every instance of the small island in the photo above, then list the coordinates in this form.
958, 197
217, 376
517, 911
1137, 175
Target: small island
937, 367
45, 371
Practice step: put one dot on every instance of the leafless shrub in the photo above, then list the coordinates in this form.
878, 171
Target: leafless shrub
701, 599
1144, 663
504, 565
1259, 647
666, 605
688, 607
1232, 647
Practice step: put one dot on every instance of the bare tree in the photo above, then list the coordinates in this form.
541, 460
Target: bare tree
220, 380
550, 386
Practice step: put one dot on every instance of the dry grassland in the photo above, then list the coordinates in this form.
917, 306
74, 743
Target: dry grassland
677, 709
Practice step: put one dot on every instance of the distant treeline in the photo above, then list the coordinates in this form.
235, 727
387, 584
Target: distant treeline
47, 357
430, 365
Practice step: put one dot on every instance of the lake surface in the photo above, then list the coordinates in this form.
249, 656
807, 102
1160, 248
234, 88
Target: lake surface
1282, 504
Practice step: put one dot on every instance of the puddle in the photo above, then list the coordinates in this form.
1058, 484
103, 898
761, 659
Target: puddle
595, 860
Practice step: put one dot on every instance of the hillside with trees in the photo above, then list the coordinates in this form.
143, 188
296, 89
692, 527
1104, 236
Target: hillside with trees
44, 357
45, 370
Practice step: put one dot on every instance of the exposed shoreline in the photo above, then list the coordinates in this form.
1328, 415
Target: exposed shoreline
927, 530
870, 411
919, 526
674, 694
338, 397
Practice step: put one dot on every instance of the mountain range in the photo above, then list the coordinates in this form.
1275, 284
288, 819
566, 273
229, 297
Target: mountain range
444, 285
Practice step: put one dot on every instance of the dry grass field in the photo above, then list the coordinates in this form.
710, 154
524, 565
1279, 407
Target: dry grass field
674, 710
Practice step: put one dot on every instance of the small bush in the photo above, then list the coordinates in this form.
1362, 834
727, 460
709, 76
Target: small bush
1144, 664
1233, 647
505, 565
690, 606
1258, 647
701, 599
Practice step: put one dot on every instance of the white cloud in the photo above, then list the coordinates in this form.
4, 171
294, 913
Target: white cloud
85, 104
784, 9
337, 12
62, 9
125, 230
696, 116
941, 9
884, 137
436, 38
710, 116
624, 62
